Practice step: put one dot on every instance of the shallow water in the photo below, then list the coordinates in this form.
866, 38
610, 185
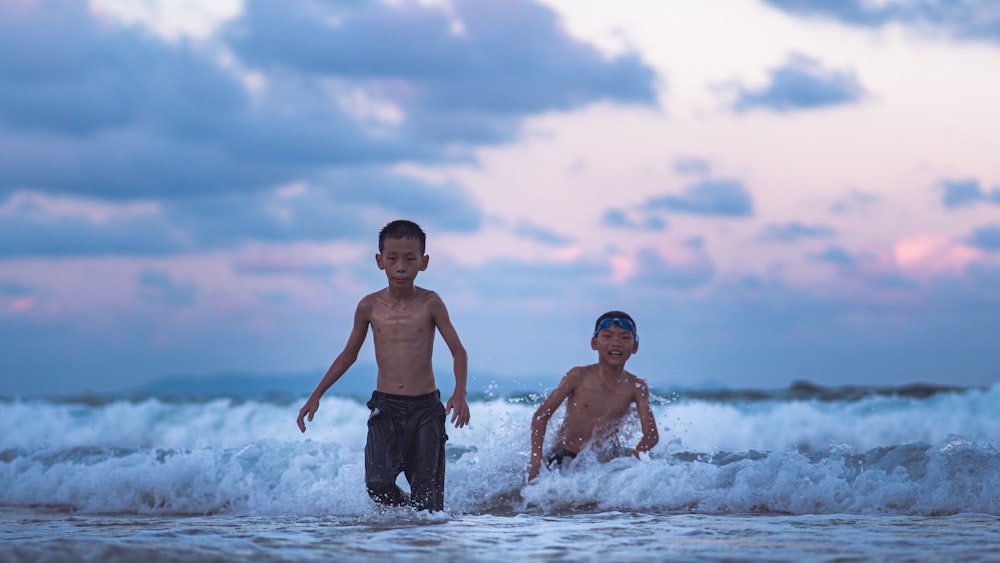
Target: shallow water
40, 535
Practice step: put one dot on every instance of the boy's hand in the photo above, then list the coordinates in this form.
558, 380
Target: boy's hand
459, 410
533, 468
310, 408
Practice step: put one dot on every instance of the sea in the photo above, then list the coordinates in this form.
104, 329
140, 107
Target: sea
804, 473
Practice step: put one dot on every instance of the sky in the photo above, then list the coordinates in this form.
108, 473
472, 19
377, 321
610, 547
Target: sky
776, 190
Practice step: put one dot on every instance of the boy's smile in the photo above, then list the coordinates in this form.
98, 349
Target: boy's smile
615, 344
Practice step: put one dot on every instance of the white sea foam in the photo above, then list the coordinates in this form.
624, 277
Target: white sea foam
881, 455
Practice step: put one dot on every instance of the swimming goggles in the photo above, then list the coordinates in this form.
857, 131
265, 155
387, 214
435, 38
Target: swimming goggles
608, 322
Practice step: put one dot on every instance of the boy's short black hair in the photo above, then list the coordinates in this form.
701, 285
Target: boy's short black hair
614, 315
401, 228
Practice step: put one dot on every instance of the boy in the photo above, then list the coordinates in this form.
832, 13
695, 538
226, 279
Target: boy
406, 428
598, 397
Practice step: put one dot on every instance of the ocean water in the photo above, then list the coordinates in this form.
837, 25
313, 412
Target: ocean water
806, 473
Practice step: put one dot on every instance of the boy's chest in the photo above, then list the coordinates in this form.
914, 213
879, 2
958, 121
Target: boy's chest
600, 403
412, 318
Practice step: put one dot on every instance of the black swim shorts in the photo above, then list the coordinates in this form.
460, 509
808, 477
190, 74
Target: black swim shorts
406, 435
559, 456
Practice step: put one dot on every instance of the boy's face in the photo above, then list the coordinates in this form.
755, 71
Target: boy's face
614, 345
401, 259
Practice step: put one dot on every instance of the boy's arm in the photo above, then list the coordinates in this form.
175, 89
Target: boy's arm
457, 405
343, 361
650, 435
540, 421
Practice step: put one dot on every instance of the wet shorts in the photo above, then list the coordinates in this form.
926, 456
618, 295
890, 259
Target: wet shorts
559, 456
406, 435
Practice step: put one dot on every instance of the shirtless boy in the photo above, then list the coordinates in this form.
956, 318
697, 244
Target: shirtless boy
598, 397
406, 428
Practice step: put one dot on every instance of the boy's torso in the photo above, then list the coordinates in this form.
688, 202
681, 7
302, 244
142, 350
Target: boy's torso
403, 330
595, 408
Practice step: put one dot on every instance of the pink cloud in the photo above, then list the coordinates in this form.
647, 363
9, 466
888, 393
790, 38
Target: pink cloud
21, 304
926, 256
670, 263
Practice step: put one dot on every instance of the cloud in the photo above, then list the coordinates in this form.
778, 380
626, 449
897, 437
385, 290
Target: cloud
966, 192
866, 271
482, 58
802, 83
528, 281
924, 256
836, 255
971, 19
908, 263
262, 259
985, 276
446, 206
725, 198
16, 298
854, 201
985, 238
621, 219
13, 289
129, 165
528, 230
794, 232
112, 112
157, 286
33, 224
691, 165
339, 206
176, 122
64, 87
672, 265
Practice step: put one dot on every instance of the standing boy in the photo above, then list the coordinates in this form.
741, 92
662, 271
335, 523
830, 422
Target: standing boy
406, 428
597, 397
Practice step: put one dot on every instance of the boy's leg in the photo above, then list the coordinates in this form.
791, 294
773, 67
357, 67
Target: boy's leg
425, 460
383, 455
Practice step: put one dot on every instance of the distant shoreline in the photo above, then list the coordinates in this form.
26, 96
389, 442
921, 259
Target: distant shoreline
359, 383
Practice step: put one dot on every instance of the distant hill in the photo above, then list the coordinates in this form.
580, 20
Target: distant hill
358, 382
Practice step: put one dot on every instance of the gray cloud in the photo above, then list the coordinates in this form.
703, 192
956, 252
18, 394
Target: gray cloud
656, 272
110, 113
528, 230
621, 219
528, 281
837, 256
970, 19
28, 230
14, 289
157, 286
794, 232
850, 265
446, 206
966, 192
986, 237
854, 201
691, 165
509, 58
332, 209
128, 165
76, 85
802, 83
984, 277
472, 86
725, 198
